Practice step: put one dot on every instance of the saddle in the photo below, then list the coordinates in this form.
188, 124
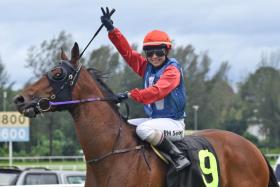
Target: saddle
204, 170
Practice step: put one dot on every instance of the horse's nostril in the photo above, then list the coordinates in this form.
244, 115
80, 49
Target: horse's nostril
19, 99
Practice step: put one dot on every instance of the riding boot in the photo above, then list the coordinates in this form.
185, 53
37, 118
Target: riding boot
179, 160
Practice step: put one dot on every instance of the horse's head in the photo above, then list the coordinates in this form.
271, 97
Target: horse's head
56, 85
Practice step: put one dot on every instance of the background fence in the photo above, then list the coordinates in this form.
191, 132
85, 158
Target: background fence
50, 162
46, 158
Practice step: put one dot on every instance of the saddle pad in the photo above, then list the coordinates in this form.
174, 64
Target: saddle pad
204, 170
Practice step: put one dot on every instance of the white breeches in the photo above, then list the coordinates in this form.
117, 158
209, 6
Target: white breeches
154, 130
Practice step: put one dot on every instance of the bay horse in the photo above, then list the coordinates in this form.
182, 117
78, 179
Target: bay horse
114, 155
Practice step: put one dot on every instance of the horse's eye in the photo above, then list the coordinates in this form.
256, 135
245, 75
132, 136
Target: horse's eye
57, 73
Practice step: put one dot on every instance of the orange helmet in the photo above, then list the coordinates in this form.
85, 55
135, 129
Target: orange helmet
157, 38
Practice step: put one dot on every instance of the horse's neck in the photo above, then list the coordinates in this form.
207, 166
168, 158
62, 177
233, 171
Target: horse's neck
98, 125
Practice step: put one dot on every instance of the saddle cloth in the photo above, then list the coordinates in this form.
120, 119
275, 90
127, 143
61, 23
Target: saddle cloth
204, 170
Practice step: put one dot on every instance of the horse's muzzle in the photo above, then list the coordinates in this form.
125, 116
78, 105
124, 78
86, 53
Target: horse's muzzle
28, 109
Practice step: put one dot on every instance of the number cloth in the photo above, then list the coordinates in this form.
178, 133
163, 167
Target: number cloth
204, 170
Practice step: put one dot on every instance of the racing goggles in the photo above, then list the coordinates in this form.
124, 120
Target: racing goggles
158, 52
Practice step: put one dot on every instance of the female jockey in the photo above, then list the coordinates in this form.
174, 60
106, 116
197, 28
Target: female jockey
163, 94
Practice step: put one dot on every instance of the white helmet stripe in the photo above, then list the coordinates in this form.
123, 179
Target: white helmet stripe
156, 43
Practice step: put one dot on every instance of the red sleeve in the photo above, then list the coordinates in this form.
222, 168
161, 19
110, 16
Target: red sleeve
135, 60
169, 80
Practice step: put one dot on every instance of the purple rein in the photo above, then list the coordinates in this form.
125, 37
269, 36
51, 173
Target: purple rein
44, 104
75, 101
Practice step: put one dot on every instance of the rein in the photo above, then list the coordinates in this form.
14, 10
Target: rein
44, 104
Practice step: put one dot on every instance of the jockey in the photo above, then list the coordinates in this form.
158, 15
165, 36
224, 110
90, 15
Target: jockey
164, 94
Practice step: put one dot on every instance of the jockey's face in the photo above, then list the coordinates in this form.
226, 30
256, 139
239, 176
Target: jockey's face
156, 56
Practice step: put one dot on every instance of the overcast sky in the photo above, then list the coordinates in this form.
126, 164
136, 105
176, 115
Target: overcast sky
237, 31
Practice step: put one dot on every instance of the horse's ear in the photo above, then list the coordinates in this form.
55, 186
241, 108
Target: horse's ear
63, 55
75, 53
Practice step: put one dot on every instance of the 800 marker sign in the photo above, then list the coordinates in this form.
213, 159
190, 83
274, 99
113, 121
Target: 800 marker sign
12, 119
13, 127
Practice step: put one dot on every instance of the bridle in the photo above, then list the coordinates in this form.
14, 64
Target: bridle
63, 83
62, 78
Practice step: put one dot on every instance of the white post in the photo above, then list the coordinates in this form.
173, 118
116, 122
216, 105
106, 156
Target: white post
195, 107
10, 153
10, 142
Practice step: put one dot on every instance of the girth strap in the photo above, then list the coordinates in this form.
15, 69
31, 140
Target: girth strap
117, 151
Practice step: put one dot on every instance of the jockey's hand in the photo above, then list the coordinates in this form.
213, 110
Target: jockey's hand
120, 97
106, 19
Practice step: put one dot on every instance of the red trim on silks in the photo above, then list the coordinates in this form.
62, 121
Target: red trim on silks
169, 80
134, 59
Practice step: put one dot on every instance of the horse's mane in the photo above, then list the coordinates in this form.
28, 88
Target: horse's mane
98, 76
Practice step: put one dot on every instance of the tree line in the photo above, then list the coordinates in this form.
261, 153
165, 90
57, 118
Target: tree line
254, 102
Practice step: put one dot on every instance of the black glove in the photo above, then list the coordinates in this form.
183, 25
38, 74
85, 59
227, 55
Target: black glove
120, 97
106, 20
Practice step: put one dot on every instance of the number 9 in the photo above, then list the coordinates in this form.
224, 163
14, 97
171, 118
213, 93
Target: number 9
212, 169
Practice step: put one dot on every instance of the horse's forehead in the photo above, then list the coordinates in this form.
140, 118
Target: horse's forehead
43, 81
36, 86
